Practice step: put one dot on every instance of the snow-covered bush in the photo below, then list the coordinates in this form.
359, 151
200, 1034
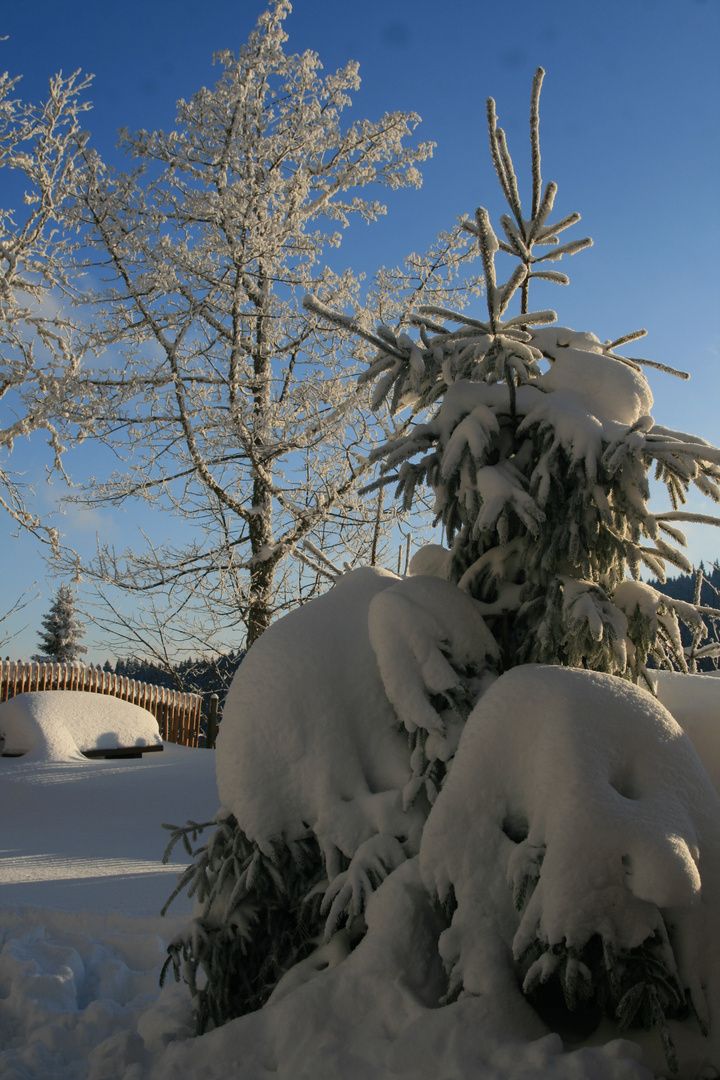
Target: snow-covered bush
334, 742
571, 860
577, 842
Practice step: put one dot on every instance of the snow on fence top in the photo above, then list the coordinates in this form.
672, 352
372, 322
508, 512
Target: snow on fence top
177, 714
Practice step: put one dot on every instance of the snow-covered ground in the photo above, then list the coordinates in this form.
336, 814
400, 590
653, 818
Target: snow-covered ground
82, 944
81, 939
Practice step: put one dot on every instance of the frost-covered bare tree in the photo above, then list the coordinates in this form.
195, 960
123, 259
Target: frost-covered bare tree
40, 343
235, 409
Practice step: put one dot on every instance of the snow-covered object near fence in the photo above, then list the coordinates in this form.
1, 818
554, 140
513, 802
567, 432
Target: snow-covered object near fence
57, 725
577, 809
322, 717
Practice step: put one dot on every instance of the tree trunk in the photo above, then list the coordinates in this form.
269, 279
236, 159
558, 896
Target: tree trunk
262, 572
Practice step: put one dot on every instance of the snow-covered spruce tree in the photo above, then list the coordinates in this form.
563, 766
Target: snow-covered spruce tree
241, 408
539, 448
63, 630
352, 740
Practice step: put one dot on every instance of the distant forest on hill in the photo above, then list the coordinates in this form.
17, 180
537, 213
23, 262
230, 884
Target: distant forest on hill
204, 676
683, 587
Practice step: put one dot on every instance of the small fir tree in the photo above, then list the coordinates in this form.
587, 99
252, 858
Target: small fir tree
63, 629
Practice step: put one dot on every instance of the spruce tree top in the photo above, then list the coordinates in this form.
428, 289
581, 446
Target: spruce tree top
537, 441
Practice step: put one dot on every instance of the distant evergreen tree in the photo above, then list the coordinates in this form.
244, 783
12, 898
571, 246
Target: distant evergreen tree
63, 629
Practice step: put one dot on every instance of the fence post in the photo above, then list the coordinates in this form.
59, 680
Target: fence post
211, 730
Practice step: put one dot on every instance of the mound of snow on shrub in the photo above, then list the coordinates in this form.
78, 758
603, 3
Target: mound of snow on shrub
315, 727
576, 809
375, 1017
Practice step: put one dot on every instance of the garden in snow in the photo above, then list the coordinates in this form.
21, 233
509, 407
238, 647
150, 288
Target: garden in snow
573, 796
468, 819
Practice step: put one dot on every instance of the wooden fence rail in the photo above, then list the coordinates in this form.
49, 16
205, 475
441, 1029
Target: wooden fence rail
178, 715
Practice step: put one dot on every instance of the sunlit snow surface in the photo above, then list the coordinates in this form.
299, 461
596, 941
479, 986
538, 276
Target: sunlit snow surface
81, 944
88, 834
82, 882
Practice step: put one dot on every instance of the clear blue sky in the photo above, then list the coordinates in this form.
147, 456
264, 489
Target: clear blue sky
630, 130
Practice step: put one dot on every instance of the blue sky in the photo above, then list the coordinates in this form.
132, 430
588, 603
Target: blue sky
630, 131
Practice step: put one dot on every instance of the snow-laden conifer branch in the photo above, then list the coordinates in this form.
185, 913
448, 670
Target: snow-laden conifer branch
384, 340
659, 367
634, 336
535, 138
522, 234
681, 515
499, 162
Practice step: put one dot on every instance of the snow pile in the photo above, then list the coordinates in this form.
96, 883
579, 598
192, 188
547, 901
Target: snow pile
375, 1017
79, 995
81, 940
56, 725
433, 560
583, 374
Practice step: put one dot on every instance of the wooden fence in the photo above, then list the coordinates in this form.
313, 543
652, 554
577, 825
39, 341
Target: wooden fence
178, 715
